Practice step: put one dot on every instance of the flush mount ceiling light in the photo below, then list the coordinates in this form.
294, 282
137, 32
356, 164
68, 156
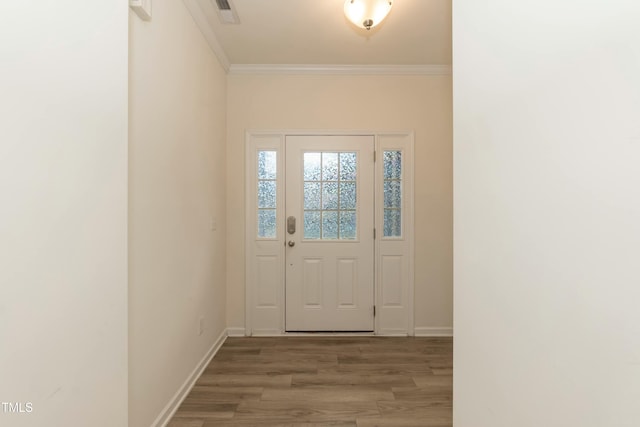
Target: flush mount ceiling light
367, 13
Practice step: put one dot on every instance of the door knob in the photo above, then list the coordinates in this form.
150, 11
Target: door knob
291, 243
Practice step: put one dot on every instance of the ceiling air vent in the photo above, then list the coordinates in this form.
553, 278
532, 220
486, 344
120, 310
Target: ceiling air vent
223, 5
226, 12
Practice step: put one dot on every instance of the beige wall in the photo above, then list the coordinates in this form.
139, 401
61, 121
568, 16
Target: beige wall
547, 237
177, 186
419, 103
63, 213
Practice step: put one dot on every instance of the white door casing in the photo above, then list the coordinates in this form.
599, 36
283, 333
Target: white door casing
266, 235
329, 279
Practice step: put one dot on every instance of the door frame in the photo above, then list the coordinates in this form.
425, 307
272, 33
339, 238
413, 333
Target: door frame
265, 257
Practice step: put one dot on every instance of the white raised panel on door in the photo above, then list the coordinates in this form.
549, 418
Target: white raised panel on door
347, 282
394, 303
392, 281
267, 280
312, 282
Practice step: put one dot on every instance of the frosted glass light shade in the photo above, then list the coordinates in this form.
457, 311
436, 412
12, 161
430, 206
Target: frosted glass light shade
367, 13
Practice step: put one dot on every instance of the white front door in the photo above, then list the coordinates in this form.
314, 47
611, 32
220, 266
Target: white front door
329, 279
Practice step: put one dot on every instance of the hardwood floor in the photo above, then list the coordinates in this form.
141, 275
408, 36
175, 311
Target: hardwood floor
323, 381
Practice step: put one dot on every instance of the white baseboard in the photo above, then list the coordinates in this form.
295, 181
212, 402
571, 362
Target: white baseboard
429, 331
171, 408
267, 333
390, 332
236, 332
323, 334
424, 331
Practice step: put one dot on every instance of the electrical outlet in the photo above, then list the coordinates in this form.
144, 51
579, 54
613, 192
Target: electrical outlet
213, 224
200, 325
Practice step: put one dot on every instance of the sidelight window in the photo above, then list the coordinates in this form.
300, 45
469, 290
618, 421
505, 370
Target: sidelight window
392, 186
267, 194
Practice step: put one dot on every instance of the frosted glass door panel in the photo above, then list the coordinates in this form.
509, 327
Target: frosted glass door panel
330, 195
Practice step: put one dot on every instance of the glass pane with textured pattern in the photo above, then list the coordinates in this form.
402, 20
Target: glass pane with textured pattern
266, 194
312, 195
329, 166
348, 164
392, 194
329, 224
312, 166
312, 224
347, 195
329, 195
347, 225
392, 223
392, 164
267, 164
267, 223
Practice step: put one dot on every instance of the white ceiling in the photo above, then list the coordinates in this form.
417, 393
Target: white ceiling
316, 32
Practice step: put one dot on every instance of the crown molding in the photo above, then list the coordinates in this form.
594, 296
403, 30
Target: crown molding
428, 70
201, 21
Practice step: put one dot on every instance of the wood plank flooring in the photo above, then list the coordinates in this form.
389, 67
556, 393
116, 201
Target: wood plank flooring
323, 381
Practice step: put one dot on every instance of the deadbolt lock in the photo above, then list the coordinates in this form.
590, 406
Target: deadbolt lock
291, 225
